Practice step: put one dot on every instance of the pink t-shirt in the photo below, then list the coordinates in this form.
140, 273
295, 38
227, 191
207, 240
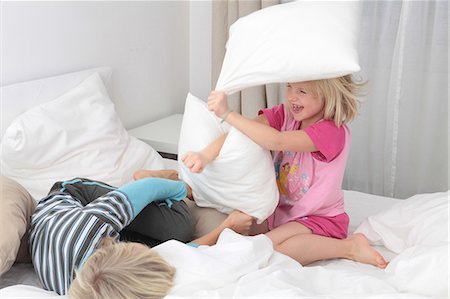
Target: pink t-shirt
310, 183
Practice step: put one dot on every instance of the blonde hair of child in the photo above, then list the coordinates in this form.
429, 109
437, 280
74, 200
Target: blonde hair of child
340, 96
117, 270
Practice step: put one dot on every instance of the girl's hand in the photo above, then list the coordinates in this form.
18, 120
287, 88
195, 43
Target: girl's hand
217, 102
195, 161
239, 222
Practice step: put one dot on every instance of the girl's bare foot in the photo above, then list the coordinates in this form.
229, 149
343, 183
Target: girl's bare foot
170, 174
364, 253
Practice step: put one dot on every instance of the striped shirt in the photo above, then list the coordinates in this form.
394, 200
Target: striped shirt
64, 233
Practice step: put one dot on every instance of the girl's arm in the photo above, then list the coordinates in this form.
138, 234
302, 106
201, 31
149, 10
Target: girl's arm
266, 136
270, 138
196, 161
237, 221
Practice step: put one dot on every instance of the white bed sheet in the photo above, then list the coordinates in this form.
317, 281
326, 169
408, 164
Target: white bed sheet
276, 276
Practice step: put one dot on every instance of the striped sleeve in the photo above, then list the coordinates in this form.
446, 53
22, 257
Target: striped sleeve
113, 208
62, 235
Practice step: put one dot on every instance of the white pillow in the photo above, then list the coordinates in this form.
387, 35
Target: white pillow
242, 176
76, 135
20, 97
421, 220
292, 42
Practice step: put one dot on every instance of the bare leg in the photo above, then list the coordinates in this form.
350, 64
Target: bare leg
170, 174
237, 221
297, 241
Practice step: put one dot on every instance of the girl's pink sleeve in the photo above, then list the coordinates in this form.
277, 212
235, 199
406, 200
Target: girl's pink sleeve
327, 138
274, 115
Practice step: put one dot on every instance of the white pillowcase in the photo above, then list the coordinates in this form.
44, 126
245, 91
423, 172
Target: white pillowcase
292, 42
421, 220
78, 134
242, 177
20, 97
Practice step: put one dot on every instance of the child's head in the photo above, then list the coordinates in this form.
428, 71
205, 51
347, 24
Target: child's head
337, 97
123, 270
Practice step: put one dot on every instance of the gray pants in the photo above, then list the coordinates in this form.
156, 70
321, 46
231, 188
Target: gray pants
158, 223
155, 224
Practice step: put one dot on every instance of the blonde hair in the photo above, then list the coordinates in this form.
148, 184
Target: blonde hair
117, 270
340, 96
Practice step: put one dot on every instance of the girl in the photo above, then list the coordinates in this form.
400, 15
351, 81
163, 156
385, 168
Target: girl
310, 142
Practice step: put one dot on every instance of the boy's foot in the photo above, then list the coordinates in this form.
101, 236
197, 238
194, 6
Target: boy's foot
170, 174
364, 253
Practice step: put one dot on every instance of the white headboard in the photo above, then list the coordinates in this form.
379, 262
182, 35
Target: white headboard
18, 98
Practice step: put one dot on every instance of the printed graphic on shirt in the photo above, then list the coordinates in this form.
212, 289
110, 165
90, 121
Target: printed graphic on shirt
292, 179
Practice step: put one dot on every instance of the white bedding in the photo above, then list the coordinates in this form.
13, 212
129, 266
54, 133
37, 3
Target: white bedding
248, 267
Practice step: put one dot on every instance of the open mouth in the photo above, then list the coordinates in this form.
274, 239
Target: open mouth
296, 108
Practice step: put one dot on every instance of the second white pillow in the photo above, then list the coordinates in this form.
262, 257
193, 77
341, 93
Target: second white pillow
291, 42
79, 134
242, 177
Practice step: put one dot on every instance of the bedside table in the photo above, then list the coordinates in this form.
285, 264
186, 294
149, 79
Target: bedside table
162, 135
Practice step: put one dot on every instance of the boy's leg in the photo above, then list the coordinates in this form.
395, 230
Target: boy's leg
84, 190
297, 241
132, 236
170, 174
157, 223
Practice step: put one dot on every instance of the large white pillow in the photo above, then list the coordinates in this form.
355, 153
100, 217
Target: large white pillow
242, 176
292, 42
20, 97
78, 134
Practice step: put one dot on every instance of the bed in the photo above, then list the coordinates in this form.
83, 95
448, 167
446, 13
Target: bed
412, 234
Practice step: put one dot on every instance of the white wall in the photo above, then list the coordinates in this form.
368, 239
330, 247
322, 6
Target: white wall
146, 43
